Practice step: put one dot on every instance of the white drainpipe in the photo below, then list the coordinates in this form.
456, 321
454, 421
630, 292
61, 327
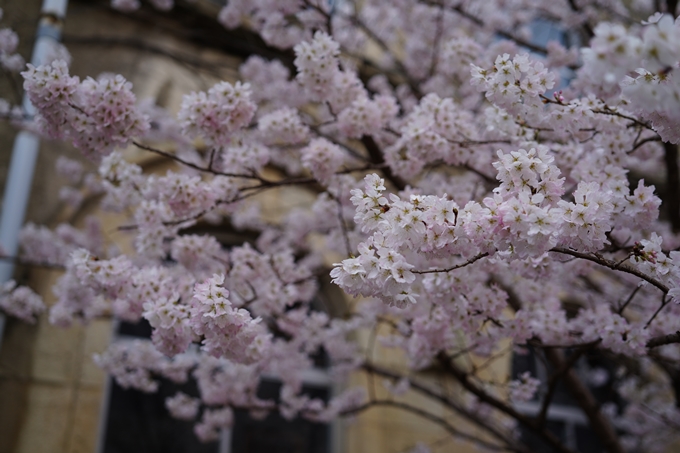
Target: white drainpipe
25, 150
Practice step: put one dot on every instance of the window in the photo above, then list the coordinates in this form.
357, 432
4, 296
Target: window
137, 421
564, 418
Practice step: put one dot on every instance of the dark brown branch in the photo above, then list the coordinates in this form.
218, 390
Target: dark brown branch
403, 71
612, 265
587, 402
377, 158
638, 144
606, 110
191, 164
195, 23
635, 121
437, 43
664, 340
555, 378
480, 23
464, 379
433, 418
457, 266
480, 422
144, 46
14, 85
343, 225
586, 26
487, 178
630, 299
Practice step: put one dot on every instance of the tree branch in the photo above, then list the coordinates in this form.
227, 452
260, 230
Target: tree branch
482, 423
433, 418
403, 71
662, 340
192, 165
480, 23
587, 402
463, 378
613, 265
457, 266
377, 158
554, 379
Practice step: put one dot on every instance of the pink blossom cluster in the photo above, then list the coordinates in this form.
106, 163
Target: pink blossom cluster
467, 205
135, 364
323, 158
213, 421
216, 115
433, 131
20, 301
95, 115
39, 244
281, 23
524, 388
228, 331
365, 116
515, 84
317, 64
283, 126
271, 84
9, 41
640, 67
182, 406
650, 415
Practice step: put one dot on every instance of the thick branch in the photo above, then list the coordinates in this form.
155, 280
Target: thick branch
586, 401
586, 26
447, 402
190, 164
464, 379
377, 158
664, 340
433, 418
144, 46
556, 376
397, 62
616, 266
480, 23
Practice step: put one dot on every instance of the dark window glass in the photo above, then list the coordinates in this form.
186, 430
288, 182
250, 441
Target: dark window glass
140, 329
536, 444
139, 422
587, 441
276, 434
576, 436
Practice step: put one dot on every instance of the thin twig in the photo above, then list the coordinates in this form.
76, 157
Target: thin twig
630, 298
612, 265
433, 418
457, 266
191, 164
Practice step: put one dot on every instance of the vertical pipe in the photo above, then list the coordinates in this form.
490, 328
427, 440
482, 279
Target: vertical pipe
25, 149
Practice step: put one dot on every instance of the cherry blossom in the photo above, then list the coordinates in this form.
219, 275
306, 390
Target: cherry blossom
471, 190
